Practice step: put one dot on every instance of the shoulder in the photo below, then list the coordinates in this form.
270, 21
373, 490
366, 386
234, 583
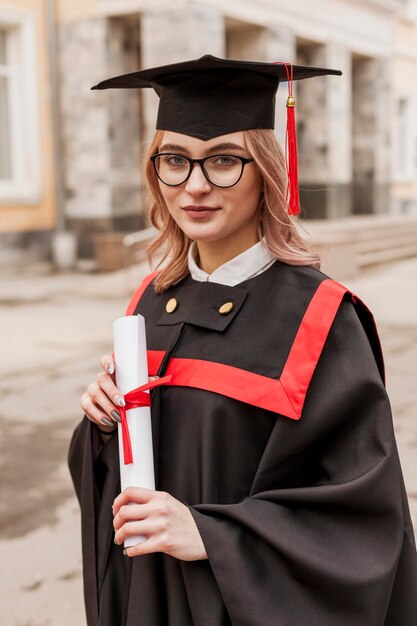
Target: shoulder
334, 315
355, 325
144, 285
297, 288
293, 283
323, 289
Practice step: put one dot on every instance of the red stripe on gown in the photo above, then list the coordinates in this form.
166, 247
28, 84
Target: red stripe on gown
285, 395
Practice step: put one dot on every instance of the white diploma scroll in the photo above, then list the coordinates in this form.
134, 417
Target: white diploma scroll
131, 372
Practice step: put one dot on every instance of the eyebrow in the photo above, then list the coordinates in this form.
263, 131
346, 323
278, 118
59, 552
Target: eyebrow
172, 147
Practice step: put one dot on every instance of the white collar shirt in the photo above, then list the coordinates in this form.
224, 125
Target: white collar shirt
248, 264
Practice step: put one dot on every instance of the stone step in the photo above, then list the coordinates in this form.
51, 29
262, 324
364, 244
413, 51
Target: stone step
387, 241
350, 244
386, 255
369, 225
135, 244
391, 231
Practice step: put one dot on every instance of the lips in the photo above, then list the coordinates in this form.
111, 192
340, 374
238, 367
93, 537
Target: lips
193, 207
199, 212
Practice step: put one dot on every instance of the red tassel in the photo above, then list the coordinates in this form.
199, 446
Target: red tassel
292, 190
291, 155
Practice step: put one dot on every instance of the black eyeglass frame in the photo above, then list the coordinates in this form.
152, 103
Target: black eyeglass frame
201, 162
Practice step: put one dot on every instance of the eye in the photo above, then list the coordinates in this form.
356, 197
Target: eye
175, 160
224, 160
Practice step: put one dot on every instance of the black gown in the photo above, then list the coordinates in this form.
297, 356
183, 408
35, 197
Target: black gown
277, 433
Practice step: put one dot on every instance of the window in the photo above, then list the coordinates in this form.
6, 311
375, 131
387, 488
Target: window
405, 139
409, 10
19, 117
5, 152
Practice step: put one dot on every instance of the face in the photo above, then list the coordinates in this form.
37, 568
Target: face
207, 213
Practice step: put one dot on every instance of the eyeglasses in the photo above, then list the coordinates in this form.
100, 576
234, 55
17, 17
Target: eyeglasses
221, 170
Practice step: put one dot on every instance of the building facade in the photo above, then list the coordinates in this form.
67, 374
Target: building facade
357, 134
27, 171
404, 119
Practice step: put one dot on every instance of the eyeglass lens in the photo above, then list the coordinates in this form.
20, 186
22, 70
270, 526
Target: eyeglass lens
221, 170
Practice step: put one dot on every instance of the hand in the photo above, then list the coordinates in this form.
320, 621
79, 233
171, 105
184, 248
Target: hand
166, 522
102, 398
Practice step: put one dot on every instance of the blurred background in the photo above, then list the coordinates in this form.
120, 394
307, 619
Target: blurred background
73, 221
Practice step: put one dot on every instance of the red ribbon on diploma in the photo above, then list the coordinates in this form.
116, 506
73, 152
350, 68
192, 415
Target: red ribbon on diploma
135, 399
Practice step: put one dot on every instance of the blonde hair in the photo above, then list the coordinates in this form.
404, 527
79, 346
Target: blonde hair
280, 230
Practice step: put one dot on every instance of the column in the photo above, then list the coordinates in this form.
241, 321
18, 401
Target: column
101, 129
371, 139
339, 131
124, 122
323, 124
84, 119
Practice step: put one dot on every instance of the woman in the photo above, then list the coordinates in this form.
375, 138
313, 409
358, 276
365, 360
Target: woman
279, 497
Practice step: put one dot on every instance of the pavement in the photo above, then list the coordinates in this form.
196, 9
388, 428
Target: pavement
56, 326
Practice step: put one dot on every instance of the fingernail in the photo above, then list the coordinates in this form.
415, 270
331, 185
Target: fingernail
115, 415
106, 421
115, 541
125, 552
110, 368
119, 400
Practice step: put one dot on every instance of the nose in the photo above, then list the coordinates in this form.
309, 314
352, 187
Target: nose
197, 184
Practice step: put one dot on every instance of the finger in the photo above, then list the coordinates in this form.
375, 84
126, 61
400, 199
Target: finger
101, 400
149, 546
134, 529
106, 383
107, 364
96, 414
138, 495
128, 513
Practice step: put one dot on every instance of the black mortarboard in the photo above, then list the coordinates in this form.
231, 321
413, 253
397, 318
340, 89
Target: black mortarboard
210, 97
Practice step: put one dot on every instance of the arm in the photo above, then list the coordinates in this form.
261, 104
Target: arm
320, 537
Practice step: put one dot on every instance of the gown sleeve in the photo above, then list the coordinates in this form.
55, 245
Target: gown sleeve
96, 480
80, 462
325, 535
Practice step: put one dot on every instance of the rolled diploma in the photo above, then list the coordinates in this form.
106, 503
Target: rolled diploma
131, 372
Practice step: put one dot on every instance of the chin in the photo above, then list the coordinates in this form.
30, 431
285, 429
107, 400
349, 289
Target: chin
202, 232
205, 234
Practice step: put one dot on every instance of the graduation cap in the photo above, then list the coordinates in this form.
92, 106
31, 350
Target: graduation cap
210, 97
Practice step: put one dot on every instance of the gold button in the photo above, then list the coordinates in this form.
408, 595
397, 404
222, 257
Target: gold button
226, 308
171, 305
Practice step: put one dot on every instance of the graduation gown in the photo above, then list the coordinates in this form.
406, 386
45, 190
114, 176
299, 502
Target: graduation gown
276, 431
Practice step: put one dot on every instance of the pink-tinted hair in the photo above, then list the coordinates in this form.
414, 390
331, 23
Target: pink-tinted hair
280, 230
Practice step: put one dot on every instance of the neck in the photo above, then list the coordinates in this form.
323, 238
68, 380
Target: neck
213, 254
